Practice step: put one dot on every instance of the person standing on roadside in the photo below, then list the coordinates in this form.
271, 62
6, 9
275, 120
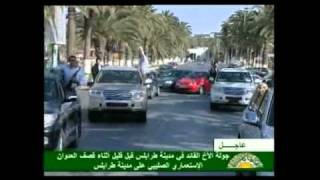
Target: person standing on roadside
96, 68
214, 69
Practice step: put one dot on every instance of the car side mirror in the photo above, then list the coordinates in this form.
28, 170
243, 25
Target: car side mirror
90, 83
251, 117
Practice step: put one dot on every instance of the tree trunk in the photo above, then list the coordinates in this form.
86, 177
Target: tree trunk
248, 57
132, 59
264, 54
126, 56
145, 41
88, 33
71, 31
102, 42
121, 51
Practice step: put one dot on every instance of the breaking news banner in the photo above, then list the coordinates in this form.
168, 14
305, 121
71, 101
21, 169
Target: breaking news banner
228, 155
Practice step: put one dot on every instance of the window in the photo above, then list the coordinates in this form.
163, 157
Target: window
234, 77
264, 105
116, 76
50, 90
200, 74
257, 99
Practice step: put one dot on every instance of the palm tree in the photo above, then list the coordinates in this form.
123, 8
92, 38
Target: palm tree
89, 13
71, 33
148, 21
115, 24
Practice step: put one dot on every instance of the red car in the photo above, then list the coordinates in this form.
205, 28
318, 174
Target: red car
197, 82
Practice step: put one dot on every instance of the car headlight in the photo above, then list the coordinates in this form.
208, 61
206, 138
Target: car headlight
137, 95
168, 82
49, 119
96, 93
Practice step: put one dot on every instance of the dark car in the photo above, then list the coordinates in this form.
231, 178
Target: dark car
262, 72
168, 79
62, 116
152, 83
164, 68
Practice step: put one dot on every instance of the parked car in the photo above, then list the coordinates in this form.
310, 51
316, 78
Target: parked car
153, 88
167, 80
262, 72
197, 82
62, 115
232, 86
118, 89
258, 117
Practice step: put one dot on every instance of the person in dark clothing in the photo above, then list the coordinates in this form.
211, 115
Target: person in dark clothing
214, 69
96, 68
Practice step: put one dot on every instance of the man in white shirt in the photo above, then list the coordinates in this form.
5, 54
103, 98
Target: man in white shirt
73, 75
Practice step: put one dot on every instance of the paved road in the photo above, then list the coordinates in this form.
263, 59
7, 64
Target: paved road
175, 122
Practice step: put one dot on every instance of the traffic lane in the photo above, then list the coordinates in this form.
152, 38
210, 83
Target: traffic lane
175, 122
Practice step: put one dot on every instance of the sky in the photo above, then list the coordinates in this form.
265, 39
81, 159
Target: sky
203, 19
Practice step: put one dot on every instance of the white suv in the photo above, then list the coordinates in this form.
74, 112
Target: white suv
232, 86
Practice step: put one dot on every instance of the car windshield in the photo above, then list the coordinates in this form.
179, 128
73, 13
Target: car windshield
175, 73
50, 90
180, 73
199, 74
234, 77
116, 76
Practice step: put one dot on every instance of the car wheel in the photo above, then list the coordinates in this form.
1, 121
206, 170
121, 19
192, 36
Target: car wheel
142, 116
213, 106
75, 142
93, 116
60, 144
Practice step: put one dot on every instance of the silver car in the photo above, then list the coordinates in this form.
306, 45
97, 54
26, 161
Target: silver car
118, 89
